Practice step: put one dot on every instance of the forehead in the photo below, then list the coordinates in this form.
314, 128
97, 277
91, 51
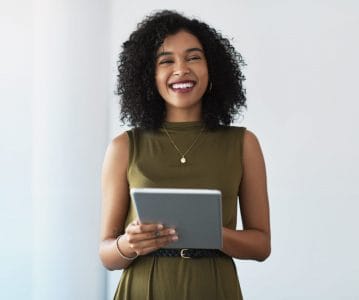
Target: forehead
181, 41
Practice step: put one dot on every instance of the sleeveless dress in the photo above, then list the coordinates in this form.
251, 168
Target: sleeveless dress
214, 162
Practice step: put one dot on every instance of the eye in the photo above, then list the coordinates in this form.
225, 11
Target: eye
194, 58
165, 61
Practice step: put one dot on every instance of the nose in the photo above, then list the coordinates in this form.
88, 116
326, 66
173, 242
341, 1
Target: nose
181, 68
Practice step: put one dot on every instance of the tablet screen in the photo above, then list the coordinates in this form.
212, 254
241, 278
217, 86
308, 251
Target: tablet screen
195, 213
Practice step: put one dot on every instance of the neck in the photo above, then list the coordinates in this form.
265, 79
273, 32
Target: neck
183, 116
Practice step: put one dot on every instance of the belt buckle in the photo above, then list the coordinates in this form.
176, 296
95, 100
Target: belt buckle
183, 255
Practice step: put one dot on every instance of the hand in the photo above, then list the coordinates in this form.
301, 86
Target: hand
145, 238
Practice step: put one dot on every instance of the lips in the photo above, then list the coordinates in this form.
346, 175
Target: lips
182, 86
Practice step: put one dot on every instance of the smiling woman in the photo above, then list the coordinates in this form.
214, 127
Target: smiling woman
139, 62
180, 84
181, 76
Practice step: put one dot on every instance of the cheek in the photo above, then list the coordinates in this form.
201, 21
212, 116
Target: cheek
203, 71
161, 84
160, 78
204, 76
158, 81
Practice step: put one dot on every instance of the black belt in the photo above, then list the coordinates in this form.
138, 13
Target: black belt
187, 253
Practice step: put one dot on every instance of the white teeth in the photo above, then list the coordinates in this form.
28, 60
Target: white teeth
182, 85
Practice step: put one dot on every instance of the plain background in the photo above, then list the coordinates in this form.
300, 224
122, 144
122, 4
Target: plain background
302, 73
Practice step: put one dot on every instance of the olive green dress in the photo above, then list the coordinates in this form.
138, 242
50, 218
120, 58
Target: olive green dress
214, 162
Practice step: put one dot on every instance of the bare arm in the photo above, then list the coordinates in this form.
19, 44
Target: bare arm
115, 202
138, 239
253, 242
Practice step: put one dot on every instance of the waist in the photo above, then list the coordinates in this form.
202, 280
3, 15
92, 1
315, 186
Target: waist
187, 253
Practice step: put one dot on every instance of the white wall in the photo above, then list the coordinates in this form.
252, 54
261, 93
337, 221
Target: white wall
54, 91
69, 138
302, 71
302, 103
15, 148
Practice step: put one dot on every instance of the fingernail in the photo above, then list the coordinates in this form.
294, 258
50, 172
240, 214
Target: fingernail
159, 226
175, 238
172, 231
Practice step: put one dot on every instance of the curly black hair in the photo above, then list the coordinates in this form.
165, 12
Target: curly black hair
141, 104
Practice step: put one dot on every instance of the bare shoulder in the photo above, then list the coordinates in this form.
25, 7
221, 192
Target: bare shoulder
116, 157
251, 144
119, 143
118, 148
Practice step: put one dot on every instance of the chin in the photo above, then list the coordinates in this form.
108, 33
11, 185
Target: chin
183, 104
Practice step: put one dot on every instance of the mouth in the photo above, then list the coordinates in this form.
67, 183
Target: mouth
182, 86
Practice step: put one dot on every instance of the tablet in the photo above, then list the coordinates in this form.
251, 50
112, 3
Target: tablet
195, 213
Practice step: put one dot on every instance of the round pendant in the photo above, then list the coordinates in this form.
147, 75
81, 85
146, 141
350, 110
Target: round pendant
183, 160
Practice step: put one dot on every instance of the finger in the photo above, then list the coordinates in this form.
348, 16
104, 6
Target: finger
164, 232
141, 228
133, 238
160, 244
153, 243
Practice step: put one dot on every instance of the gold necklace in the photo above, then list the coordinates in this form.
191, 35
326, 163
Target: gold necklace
183, 159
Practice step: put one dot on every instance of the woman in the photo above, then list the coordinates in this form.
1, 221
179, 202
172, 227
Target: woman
181, 86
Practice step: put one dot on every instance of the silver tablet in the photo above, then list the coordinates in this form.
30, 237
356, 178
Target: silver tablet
195, 213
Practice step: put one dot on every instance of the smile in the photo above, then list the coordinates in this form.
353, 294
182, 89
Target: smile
183, 86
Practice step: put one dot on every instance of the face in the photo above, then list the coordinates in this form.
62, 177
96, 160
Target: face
181, 73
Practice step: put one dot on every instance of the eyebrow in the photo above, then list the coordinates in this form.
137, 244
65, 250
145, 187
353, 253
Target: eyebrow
164, 53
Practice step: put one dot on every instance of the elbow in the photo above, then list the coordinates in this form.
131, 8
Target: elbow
107, 267
263, 257
110, 263
265, 253
106, 264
